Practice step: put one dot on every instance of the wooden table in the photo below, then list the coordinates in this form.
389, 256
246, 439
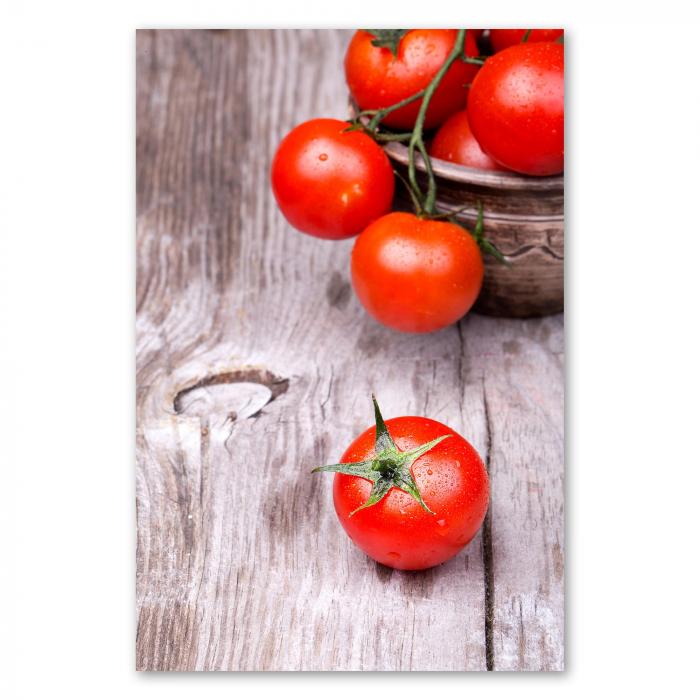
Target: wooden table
255, 363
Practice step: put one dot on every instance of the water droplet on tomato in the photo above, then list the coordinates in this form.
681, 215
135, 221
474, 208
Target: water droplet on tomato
323, 156
430, 472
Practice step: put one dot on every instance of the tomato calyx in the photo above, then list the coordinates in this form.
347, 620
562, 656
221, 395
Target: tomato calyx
387, 39
389, 468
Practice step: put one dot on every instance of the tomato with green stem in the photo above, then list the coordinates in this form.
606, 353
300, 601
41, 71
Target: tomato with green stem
503, 38
416, 275
384, 67
411, 492
516, 108
329, 181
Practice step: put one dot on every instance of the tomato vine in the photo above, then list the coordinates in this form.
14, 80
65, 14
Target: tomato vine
370, 120
416, 141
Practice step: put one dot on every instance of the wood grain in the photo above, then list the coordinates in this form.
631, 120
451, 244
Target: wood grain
255, 363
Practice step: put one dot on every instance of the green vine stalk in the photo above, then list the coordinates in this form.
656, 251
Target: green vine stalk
370, 120
416, 142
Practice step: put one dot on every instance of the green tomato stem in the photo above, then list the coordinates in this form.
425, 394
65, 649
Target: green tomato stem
379, 114
417, 141
385, 137
426, 203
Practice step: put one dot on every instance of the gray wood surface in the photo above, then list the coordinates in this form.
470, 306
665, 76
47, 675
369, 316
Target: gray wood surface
255, 363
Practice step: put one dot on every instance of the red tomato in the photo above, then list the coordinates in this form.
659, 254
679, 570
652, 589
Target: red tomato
390, 524
416, 275
516, 108
329, 182
455, 142
378, 79
503, 38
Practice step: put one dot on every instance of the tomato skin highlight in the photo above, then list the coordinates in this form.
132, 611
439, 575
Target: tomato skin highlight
516, 108
455, 142
377, 79
330, 183
416, 275
397, 531
503, 38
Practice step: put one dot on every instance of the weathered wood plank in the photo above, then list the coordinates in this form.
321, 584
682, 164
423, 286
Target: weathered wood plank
521, 366
241, 564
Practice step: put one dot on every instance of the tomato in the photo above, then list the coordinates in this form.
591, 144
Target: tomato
503, 38
378, 79
329, 182
455, 142
416, 275
411, 493
516, 108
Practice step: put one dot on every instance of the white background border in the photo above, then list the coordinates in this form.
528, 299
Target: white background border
66, 324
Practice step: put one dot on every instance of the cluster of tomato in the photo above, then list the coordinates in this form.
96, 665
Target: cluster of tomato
418, 273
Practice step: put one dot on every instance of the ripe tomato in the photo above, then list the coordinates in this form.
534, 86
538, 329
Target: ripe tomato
329, 182
410, 493
455, 142
378, 79
516, 108
416, 275
503, 38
